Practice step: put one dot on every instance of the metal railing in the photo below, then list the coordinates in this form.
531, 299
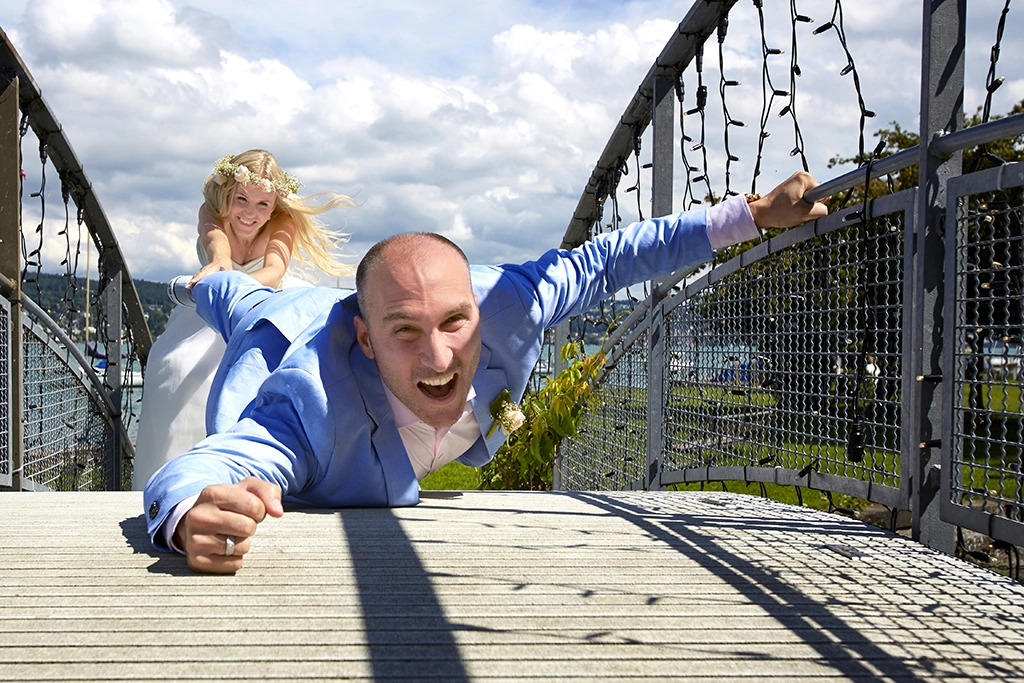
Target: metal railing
784, 365
63, 425
876, 352
983, 481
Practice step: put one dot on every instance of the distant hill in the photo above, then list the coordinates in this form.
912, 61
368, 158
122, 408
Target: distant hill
54, 292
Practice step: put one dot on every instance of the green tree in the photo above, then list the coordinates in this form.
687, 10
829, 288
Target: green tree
896, 139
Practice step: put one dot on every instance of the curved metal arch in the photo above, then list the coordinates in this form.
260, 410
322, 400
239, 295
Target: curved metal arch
77, 184
698, 25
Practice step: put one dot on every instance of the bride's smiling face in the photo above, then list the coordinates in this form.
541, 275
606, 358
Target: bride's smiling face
250, 209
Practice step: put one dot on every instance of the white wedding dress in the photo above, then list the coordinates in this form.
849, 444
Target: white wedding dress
179, 372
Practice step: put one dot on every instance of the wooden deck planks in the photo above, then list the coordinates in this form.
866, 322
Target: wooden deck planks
500, 586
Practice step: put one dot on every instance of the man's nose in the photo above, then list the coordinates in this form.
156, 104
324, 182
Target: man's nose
437, 355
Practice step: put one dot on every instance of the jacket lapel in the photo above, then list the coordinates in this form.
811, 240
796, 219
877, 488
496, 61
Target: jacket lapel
399, 476
488, 383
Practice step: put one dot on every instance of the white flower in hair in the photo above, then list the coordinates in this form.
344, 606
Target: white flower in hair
224, 169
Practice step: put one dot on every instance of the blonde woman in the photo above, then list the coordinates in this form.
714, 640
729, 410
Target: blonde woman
252, 220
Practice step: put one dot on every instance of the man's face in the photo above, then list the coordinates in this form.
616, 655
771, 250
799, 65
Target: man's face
422, 330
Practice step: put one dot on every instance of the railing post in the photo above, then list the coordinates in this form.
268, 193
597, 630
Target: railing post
942, 89
559, 334
10, 261
110, 282
663, 146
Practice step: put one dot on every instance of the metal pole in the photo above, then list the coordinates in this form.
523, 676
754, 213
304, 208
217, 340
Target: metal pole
10, 261
560, 334
111, 286
663, 145
942, 88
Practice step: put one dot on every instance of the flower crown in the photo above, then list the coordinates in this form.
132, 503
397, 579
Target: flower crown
225, 169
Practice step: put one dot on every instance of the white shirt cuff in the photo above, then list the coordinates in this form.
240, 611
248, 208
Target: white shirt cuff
171, 523
731, 223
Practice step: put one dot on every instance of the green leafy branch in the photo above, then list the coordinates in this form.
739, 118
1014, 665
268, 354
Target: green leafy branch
525, 461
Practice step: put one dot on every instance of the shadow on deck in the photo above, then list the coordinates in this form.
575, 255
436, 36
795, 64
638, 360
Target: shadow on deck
510, 586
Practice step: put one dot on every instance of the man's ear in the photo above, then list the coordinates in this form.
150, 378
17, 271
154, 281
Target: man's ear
363, 336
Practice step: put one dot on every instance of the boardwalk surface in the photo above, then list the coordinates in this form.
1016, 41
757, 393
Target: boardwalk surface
500, 586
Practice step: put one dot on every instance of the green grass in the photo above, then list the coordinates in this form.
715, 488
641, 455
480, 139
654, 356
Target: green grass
998, 397
723, 395
452, 477
784, 494
993, 443
457, 477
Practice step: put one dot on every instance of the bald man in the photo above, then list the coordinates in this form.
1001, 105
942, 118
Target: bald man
337, 401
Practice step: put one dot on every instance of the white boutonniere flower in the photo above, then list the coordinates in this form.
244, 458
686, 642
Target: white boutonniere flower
507, 414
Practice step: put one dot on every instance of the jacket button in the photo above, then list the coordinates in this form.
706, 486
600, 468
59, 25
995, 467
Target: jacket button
154, 510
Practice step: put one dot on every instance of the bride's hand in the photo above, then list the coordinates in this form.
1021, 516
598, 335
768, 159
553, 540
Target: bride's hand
213, 267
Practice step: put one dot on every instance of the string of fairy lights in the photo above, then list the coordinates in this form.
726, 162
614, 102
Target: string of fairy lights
780, 80
67, 310
778, 102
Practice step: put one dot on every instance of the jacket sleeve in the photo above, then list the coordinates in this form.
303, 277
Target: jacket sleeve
518, 302
274, 443
568, 283
222, 299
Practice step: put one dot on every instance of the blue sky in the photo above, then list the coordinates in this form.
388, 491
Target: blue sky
480, 120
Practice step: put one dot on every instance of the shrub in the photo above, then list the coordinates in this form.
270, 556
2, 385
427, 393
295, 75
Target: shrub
526, 460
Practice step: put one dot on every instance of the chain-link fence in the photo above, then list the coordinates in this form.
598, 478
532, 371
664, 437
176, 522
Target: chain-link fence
784, 365
69, 431
985, 429
610, 453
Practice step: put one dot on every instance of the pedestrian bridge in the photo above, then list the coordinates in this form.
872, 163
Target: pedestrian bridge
501, 586
872, 354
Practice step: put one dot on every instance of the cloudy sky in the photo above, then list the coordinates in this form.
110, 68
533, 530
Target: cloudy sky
479, 120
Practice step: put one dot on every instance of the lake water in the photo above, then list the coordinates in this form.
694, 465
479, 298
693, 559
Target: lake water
133, 393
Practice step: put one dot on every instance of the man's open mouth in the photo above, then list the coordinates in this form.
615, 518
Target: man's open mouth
439, 388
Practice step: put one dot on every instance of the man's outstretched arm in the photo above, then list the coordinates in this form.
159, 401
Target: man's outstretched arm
566, 283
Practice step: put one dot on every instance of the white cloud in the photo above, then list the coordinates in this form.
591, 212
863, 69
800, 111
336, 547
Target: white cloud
526, 48
459, 232
129, 32
267, 87
479, 120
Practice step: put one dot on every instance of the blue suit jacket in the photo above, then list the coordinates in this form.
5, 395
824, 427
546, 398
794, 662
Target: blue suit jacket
297, 403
